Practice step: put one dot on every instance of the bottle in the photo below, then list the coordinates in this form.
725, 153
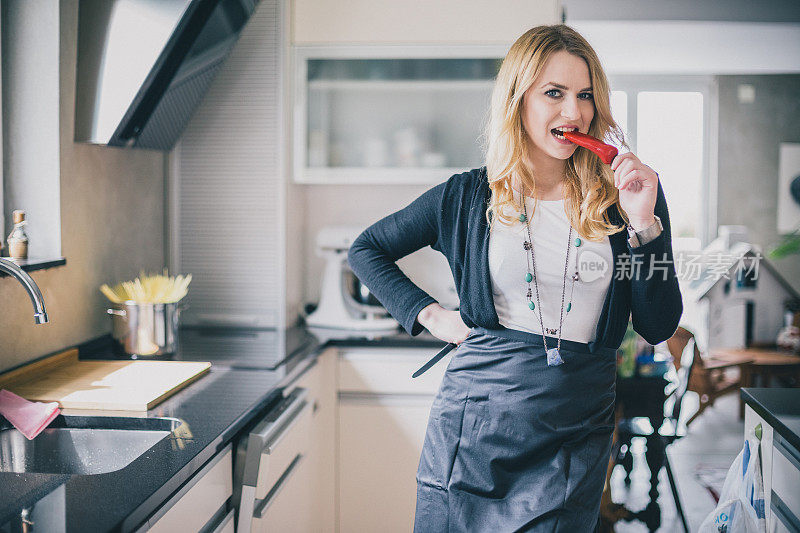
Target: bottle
18, 239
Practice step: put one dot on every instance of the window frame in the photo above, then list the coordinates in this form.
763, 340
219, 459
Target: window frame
707, 85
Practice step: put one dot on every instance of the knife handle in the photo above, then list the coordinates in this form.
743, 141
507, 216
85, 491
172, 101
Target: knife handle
433, 360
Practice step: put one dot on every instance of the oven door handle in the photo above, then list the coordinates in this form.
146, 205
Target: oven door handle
269, 433
263, 440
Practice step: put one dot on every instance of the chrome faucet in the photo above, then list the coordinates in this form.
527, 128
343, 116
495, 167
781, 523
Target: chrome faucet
12, 269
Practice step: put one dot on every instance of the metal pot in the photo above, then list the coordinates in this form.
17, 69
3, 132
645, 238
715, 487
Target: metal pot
146, 329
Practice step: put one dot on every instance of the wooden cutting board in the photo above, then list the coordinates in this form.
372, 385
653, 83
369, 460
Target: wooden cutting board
101, 385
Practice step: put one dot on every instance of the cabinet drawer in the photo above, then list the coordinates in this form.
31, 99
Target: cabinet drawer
289, 509
227, 524
781, 519
209, 491
786, 474
388, 371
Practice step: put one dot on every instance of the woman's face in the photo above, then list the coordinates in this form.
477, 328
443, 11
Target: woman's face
560, 97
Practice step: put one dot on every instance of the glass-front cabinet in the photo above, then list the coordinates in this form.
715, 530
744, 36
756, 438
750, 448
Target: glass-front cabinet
391, 115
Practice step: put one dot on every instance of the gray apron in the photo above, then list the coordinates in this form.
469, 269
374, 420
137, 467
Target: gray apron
514, 444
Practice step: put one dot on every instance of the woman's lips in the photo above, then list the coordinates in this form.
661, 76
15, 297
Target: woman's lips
561, 141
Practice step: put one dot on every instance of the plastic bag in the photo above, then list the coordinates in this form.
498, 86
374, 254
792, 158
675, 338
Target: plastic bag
741, 502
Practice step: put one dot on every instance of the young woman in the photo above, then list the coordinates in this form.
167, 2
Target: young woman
551, 251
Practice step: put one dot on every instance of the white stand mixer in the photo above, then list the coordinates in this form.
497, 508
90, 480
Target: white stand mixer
337, 309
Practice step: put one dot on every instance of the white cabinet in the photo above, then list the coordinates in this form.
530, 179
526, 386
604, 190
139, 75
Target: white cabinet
784, 498
388, 371
380, 114
366, 110
290, 508
320, 381
383, 415
380, 441
780, 466
401, 22
202, 503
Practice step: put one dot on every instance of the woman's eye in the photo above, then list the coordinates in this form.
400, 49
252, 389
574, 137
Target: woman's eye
557, 93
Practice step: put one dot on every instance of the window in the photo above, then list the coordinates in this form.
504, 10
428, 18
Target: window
670, 138
667, 121
619, 109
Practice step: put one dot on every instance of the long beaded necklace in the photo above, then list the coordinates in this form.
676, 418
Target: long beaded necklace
553, 354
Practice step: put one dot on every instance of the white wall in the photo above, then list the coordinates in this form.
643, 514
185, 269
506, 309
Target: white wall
750, 135
693, 47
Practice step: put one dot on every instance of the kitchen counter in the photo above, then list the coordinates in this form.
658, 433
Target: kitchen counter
214, 408
249, 369
395, 338
780, 408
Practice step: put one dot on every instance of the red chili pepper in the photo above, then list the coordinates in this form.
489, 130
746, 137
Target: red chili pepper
606, 152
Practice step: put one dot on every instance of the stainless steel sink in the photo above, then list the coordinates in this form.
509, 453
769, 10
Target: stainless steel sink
82, 444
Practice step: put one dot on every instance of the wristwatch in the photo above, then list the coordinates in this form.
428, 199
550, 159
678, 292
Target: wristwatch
642, 237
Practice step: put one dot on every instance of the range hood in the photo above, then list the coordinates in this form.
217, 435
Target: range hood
144, 66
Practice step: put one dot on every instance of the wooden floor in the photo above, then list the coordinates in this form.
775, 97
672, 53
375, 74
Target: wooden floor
712, 443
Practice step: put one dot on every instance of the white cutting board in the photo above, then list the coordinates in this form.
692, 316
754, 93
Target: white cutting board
101, 385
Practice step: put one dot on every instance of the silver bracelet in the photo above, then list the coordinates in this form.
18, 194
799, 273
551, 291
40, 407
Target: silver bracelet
648, 234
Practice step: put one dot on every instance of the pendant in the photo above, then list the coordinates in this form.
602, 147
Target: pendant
553, 357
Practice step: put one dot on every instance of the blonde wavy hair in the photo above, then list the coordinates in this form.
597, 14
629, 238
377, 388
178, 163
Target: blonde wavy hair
589, 185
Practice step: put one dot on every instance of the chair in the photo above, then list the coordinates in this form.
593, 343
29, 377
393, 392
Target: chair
659, 437
708, 377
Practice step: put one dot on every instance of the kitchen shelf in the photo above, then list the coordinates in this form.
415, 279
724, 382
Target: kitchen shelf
361, 175
29, 265
366, 116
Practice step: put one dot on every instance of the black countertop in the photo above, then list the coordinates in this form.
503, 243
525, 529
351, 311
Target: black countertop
237, 348
249, 368
780, 408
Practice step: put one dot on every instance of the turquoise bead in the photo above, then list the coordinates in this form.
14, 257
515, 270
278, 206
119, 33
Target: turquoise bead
578, 242
531, 305
522, 217
569, 306
528, 277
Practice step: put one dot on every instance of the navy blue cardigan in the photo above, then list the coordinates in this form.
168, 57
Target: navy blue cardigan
451, 218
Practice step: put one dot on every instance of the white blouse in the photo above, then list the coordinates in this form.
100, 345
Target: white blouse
508, 264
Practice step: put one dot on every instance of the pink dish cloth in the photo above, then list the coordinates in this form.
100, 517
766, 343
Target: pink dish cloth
28, 417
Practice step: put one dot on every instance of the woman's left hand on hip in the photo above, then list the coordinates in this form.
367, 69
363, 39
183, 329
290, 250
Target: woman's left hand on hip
638, 187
